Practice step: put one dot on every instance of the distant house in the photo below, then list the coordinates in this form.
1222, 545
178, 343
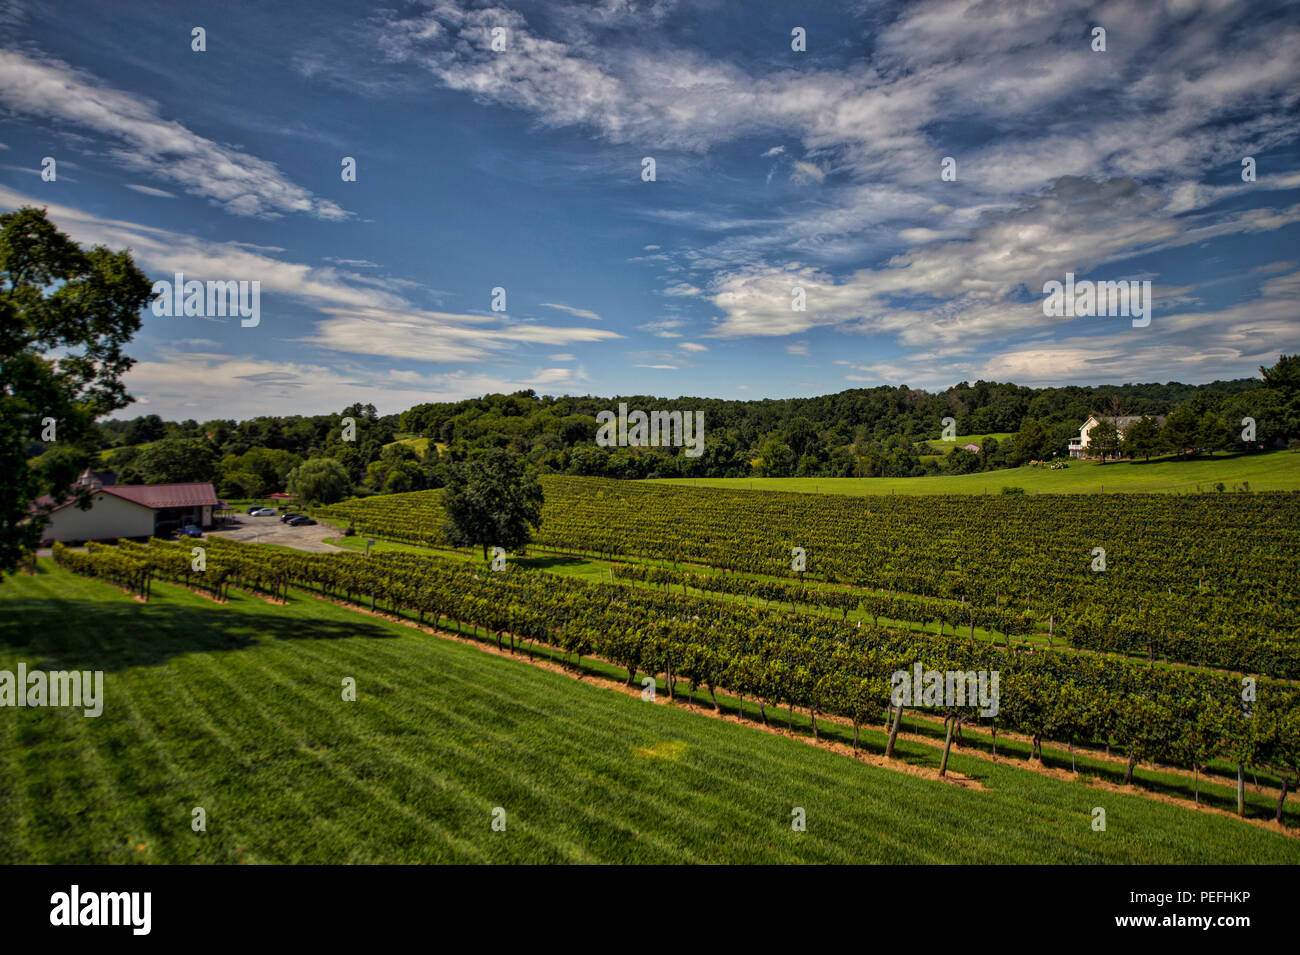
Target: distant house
129, 510
1079, 445
971, 447
91, 478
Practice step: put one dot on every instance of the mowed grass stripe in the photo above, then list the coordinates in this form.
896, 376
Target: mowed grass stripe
247, 788
698, 789
398, 826
13, 805
306, 793
172, 771
142, 775
974, 767
380, 647
730, 777
500, 717
380, 724
494, 771
241, 787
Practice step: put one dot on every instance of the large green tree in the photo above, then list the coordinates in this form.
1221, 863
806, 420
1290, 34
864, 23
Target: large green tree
775, 459
256, 472
320, 481
492, 500
1142, 439
1284, 378
177, 460
66, 313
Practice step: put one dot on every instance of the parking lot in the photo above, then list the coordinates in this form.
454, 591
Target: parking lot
269, 530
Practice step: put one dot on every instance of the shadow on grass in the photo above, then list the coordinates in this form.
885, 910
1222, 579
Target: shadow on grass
114, 635
1217, 457
548, 562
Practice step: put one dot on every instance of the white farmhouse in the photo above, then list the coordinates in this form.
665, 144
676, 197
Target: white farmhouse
1079, 445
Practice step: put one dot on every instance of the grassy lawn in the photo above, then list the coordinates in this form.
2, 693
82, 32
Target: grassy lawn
941, 449
1270, 471
237, 709
417, 444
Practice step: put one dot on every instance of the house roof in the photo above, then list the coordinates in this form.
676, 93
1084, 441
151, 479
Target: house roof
153, 496
159, 496
1123, 421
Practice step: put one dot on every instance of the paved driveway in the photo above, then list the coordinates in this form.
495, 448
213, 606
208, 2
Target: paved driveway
269, 530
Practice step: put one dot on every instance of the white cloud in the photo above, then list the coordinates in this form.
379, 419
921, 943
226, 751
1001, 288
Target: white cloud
1183, 346
357, 319
434, 336
578, 312
1076, 226
681, 289
1184, 91
693, 347
145, 142
350, 263
806, 172
151, 191
184, 385
663, 328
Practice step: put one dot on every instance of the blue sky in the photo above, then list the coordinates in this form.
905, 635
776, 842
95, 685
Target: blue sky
522, 168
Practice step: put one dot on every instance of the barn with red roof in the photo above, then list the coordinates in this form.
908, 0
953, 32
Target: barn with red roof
130, 510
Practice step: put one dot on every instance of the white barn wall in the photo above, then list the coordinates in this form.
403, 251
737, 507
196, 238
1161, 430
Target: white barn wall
108, 517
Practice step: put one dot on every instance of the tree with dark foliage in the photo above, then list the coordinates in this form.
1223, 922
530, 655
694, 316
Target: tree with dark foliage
66, 313
492, 500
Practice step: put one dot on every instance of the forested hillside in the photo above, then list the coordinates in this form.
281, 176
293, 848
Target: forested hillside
875, 432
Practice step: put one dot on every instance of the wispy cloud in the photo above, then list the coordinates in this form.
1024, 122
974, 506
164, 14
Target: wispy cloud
151, 191
663, 328
806, 172
146, 143
185, 384
577, 312
1183, 91
355, 319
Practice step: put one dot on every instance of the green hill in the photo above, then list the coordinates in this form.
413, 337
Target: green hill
1271, 471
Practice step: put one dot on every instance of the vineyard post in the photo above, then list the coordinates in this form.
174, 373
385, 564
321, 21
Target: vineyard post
949, 720
893, 733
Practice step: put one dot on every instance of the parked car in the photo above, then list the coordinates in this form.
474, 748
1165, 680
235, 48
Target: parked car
263, 512
191, 530
301, 521
255, 508
288, 516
